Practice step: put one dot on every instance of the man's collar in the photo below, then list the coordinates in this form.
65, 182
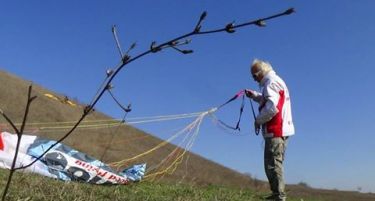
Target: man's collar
266, 77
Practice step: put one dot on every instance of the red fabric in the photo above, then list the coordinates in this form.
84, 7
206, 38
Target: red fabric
1, 142
275, 125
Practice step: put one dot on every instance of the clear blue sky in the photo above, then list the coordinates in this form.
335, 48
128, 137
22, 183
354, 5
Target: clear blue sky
325, 52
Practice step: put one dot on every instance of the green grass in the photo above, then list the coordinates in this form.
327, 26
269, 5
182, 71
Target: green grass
27, 186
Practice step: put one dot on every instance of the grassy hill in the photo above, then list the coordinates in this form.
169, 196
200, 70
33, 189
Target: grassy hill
192, 179
34, 187
109, 144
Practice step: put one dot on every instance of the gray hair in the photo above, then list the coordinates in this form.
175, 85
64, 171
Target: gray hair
263, 66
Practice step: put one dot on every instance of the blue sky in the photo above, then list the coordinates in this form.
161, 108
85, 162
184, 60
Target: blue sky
324, 52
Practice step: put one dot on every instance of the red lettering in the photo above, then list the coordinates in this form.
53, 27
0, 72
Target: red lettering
101, 174
81, 163
112, 177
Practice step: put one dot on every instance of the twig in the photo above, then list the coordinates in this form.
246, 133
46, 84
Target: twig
19, 137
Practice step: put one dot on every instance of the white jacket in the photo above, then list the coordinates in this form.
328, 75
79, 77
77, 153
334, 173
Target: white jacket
275, 114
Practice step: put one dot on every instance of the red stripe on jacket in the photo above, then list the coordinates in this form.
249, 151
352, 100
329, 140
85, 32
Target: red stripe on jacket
275, 125
1, 142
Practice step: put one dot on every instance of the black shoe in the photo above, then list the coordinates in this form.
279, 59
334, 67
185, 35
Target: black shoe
270, 198
274, 198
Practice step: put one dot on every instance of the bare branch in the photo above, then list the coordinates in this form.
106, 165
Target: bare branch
19, 137
9, 121
199, 26
130, 48
126, 109
153, 49
114, 32
182, 51
29, 100
254, 22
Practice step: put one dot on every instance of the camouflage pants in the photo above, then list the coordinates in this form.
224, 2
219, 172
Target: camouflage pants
274, 152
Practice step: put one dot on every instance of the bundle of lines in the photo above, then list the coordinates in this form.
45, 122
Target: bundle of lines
167, 165
105, 123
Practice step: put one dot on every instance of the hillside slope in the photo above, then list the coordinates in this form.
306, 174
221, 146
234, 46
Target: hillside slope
108, 144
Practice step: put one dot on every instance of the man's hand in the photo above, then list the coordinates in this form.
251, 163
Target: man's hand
257, 127
250, 93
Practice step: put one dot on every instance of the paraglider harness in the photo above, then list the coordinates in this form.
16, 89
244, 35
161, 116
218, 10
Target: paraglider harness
237, 127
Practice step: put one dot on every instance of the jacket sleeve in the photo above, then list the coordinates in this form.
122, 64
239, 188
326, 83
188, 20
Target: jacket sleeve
269, 110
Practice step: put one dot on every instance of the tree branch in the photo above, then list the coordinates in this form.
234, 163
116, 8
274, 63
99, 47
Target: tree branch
153, 49
19, 137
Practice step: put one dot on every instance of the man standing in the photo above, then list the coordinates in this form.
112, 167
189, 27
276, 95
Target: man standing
275, 121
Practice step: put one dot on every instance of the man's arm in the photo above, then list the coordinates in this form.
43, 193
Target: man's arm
269, 110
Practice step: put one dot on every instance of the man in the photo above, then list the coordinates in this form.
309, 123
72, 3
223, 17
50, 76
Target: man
275, 121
